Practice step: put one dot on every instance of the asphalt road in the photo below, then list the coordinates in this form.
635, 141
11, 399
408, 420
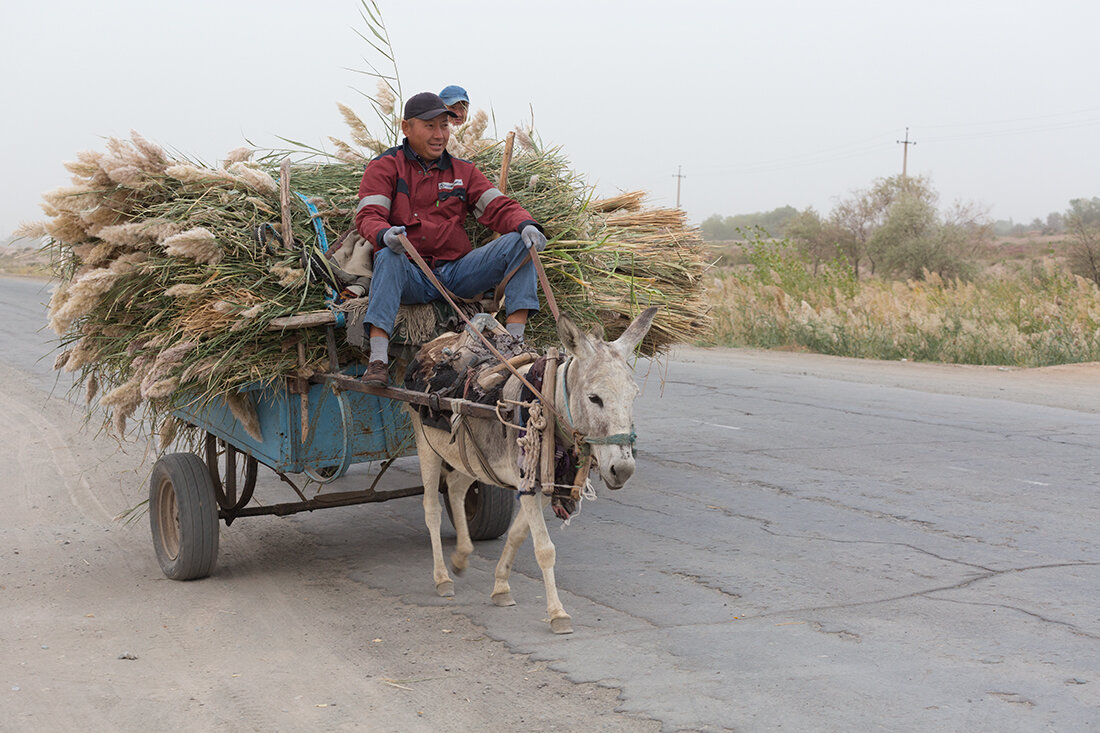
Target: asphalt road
808, 544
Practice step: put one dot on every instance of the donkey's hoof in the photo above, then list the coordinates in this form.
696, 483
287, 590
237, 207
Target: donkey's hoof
445, 589
562, 625
459, 563
503, 599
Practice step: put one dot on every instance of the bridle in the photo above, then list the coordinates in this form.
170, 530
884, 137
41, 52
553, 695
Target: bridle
614, 439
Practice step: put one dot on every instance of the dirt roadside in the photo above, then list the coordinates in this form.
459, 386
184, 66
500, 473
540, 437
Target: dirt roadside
95, 638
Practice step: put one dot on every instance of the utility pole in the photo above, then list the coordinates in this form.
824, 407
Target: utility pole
678, 176
905, 153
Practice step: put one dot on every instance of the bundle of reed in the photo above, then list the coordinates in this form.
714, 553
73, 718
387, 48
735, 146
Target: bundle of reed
607, 259
629, 201
165, 293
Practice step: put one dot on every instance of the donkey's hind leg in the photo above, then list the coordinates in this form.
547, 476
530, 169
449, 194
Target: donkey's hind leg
458, 484
517, 533
431, 468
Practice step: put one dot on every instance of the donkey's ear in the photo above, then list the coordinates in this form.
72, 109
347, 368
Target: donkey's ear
635, 332
573, 339
596, 332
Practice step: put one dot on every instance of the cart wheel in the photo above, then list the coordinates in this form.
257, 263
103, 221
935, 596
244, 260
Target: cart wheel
488, 510
229, 470
183, 515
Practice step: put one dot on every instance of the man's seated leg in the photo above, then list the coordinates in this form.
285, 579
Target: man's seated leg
516, 323
378, 365
396, 280
486, 266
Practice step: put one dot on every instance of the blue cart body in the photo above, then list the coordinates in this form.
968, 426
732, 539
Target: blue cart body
342, 427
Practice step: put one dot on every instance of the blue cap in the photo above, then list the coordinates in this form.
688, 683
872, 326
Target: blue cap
454, 93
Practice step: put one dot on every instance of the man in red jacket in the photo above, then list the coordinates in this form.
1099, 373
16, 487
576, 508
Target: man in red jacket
419, 190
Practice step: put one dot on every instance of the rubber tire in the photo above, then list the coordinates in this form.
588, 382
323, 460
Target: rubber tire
183, 516
488, 510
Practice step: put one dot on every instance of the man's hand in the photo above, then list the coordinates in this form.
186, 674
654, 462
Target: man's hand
532, 237
390, 239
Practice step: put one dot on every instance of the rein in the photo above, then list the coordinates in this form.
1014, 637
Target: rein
566, 427
419, 260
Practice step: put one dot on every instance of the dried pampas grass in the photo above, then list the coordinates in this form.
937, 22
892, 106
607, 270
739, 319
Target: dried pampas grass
253, 177
198, 244
244, 409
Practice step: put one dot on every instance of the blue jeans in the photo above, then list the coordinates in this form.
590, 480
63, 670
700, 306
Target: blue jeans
398, 280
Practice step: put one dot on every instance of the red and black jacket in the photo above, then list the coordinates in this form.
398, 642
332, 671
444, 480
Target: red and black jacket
431, 200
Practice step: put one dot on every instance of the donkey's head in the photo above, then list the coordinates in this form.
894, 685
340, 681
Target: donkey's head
599, 394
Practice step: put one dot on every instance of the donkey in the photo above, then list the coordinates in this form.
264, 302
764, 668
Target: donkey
595, 390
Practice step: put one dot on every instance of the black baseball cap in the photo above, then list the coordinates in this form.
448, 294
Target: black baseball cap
426, 106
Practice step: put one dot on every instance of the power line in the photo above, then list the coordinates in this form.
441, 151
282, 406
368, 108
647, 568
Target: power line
1012, 120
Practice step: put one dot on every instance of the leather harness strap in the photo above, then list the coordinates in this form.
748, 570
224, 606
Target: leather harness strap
419, 260
461, 437
551, 303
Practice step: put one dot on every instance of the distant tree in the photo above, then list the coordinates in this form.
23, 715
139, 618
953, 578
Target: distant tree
714, 229
856, 218
916, 237
1083, 225
1056, 223
774, 222
821, 240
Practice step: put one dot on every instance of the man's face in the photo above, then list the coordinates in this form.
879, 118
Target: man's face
460, 108
428, 138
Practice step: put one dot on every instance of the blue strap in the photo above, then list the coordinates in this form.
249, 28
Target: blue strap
322, 241
318, 226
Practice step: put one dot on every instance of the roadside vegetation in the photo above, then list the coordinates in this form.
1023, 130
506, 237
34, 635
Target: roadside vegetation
887, 275
23, 261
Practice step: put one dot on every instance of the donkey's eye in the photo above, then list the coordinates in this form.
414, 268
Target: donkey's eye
595, 400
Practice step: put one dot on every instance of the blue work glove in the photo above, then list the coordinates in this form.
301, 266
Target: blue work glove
532, 237
389, 238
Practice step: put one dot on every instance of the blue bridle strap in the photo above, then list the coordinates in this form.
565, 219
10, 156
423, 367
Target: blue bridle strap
616, 439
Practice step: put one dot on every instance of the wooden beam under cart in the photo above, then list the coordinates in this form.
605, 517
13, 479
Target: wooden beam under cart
433, 401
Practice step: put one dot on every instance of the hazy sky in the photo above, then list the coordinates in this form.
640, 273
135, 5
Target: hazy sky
763, 104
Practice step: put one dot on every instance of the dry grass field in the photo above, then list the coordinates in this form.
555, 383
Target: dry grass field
23, 261
1024, 309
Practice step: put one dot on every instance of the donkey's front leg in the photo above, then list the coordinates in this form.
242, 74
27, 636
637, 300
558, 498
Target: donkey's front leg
560, 622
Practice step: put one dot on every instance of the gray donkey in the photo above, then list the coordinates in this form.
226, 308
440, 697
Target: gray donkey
595, 390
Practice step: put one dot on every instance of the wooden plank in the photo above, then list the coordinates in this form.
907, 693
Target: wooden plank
502, 181
549, 389
462, 407
284, 202
304, 397
303, 320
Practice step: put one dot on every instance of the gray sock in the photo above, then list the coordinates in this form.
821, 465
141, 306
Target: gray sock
515, 329
380, 349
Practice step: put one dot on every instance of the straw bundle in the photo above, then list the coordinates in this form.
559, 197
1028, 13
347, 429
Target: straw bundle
166, 295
